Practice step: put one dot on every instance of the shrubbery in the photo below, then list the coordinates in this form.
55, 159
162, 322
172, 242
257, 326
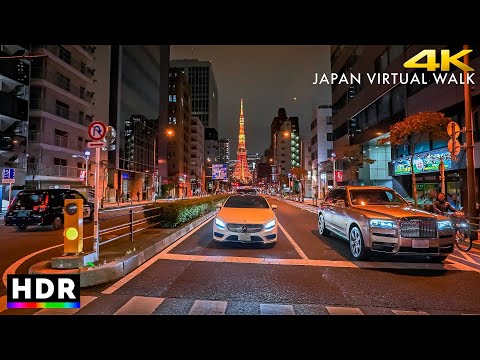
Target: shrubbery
175, 213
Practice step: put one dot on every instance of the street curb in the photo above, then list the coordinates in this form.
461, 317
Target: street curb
119, 268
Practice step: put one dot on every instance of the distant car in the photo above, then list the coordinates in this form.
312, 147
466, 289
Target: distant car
246, 219
246, 191
43, 208
378, 219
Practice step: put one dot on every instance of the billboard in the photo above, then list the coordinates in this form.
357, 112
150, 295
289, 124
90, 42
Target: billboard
422, 164
219, 172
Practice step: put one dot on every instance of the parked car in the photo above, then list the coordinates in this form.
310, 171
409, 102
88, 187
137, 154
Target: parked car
43, 207
377, 219
247, 219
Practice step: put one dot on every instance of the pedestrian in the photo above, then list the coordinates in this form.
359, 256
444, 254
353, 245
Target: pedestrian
128, 196
138, 196
122, 197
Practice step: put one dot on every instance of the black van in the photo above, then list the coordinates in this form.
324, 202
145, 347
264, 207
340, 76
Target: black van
43, 208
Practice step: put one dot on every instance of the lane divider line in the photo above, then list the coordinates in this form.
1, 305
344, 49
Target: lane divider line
294, 244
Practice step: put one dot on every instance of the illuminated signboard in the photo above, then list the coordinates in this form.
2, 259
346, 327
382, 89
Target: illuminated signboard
219, 172
422, 164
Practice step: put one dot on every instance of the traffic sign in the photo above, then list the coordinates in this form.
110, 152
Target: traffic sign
97, 130
454, 148
8, 173
95, 144
8, 181
453, 129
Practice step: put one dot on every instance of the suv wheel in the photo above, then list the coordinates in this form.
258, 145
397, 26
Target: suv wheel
357, 245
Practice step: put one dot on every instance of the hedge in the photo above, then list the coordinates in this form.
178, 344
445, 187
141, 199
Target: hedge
175, 213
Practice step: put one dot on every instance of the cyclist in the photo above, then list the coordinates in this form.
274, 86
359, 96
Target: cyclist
441, 206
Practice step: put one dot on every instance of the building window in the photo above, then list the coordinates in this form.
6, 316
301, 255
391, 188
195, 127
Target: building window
283, 161
63, 82
384, 107
81, 116
314, 140
174, 98
381, 63
169, 98
330, 137
64, 54
394, 51
59, 161
398, 100
62, 109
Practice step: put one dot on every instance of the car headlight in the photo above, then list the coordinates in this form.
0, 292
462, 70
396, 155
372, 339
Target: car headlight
444, 225
270, 225
219, 223
382, 224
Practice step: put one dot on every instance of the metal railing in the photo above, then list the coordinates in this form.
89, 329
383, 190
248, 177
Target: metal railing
63, 83
55, 170
67, 58
89, 49
78, 117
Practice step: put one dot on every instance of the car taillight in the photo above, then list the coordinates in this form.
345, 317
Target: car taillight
35, 208
42, 208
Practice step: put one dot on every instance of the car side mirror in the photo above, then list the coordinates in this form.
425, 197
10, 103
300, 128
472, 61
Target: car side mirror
340, 203
274, 207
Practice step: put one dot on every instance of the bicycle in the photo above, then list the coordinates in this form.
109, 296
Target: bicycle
463, 240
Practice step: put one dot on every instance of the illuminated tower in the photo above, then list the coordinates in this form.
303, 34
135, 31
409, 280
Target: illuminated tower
241, 172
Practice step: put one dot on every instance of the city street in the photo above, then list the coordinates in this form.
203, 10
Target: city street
303, 274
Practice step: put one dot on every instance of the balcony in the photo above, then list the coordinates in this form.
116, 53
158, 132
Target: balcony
67, 58
56, 140
13, 107
75, 116
55, 170
89, 49
63, 83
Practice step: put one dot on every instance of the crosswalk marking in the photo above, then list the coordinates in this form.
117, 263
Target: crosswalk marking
276, 309
139, 305
338, 310
207, 307
3, 303
84, 301
409, 312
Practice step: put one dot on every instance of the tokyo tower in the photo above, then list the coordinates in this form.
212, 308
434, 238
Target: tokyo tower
241, 172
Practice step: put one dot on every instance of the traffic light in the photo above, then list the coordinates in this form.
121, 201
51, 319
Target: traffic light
73, 226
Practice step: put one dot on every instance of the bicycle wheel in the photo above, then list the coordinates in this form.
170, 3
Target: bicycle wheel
463, 239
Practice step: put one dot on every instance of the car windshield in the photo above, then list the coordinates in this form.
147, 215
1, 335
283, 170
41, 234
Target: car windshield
246, 201
375, 197
28, 200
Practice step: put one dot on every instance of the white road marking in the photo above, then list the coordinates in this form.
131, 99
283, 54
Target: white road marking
114, 287
139, 305
13, 268
468, 257
3, 303
461, 266
409, 312
84, 301
208, 307
316, 263
337, 310
276, 309
294, 244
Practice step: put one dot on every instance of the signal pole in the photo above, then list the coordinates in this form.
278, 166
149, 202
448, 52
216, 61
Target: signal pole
470, 143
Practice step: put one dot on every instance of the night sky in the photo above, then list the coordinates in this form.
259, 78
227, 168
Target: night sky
267, 77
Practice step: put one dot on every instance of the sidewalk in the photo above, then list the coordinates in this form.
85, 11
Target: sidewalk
120, 257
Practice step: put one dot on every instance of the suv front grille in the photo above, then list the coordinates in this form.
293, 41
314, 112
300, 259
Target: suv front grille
418, 229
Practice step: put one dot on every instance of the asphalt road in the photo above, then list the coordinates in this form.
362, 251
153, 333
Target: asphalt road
15, 244
303, 274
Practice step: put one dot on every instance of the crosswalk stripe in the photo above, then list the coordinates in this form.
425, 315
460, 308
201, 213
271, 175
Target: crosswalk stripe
337, 310
409, 312
208, 307
276, 309
3, 303
84, 301
139, 305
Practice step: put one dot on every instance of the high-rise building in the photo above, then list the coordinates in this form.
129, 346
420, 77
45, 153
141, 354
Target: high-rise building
321, 143
14, 97
203, 88
61, 108
242, 173
211, 155
197, 156
223, 151
362, 115
139, 113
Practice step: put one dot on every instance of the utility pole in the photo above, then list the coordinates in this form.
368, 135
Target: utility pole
471, 186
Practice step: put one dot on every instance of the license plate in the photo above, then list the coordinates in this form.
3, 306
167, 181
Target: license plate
420, 244
244, 237
22, 214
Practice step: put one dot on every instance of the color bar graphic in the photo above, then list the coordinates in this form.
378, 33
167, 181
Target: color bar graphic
43, 305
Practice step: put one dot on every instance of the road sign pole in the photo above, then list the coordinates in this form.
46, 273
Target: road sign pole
96, 227
10, 194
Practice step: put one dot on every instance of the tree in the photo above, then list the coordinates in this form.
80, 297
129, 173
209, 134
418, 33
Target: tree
35, 167
354, 158
414, 129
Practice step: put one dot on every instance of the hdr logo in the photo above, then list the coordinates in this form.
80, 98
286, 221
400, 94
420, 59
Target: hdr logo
43, 291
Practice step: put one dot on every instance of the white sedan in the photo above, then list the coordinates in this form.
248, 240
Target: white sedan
246, 219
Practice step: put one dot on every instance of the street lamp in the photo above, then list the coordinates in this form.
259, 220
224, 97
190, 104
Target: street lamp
84, 157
